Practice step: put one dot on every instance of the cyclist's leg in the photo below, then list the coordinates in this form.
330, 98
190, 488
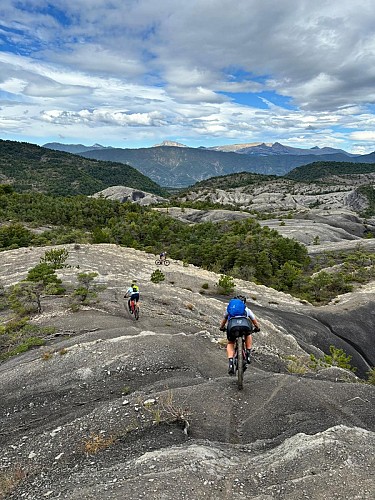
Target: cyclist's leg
230, 349
136, 300
249, 342
248, 346
230, 352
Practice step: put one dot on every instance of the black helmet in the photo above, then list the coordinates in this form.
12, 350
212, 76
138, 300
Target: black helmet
241, 297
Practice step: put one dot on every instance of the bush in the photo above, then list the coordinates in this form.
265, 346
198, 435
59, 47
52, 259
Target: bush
371, 376
225, 284
157, 276
86, 290
19, 336
336, 358
55, 258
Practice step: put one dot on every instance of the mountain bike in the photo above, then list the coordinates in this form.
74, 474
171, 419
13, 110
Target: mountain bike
134, 309
160, 262
239, 327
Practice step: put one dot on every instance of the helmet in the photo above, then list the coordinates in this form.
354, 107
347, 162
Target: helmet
241, 297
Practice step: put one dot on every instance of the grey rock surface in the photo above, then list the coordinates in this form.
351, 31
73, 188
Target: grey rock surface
123, 194
155, 398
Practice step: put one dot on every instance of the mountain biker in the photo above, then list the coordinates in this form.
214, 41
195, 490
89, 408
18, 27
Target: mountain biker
236, 309
133, 293
163, 256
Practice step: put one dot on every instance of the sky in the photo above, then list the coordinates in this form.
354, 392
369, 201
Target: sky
134, 73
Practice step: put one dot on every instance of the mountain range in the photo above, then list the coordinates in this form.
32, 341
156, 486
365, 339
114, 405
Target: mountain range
175, 165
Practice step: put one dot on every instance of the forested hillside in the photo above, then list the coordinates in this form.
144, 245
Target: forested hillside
239, 248
231, 181
324, 169
28, 167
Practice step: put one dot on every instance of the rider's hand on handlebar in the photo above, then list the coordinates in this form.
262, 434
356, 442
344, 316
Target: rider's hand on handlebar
256, 329
222, 328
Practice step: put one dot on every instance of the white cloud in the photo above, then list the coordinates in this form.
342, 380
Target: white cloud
363, 135
164, 67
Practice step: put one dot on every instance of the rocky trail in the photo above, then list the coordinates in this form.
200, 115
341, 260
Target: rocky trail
145, 409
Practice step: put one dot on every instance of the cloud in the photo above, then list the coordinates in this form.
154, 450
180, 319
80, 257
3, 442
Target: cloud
178, 69
102, 118
363, 135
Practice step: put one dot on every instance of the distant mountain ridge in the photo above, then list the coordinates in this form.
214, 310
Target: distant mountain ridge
74, 148
279, 149
181, 166
253, 148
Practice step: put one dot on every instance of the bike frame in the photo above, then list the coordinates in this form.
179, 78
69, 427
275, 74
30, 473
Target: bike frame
135, 309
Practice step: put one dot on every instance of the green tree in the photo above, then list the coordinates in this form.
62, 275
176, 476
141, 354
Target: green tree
86, 291
157, 276
225, 284
55, 258
45, 274
288, 275
14, 236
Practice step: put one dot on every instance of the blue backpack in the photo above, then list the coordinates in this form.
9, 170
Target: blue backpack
236, 308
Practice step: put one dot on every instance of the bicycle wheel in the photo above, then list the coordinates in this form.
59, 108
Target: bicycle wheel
158, 262
240, 363
166, 262
136, 312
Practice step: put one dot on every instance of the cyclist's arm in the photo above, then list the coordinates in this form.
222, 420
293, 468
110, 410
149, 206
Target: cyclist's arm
224, 320
251, 315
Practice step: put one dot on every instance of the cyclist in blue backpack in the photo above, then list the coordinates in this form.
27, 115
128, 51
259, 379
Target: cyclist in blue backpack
237, 308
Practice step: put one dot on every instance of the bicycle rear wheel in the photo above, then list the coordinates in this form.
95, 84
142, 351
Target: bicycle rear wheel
158, 262
136, 312
240, 363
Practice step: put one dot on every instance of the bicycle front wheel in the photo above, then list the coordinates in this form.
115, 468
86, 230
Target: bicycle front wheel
240, 363
166, 262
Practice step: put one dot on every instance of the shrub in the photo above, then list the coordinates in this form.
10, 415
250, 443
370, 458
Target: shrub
336, 358
339, 358
19, 336
225, 284
157, 276
205, 286
296, 365
96, 442
371, 376
86, 290
9, 480
44, 274
55, 258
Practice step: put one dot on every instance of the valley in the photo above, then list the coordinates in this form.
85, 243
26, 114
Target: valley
97, 405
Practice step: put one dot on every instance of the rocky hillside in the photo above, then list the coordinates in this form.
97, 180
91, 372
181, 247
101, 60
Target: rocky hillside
113, 408
280, 196
125, 194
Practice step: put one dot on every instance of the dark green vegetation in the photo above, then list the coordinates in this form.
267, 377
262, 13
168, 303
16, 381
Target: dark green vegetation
242, 248
22, 300
231, 181
28, 167
369, 192
322, 169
